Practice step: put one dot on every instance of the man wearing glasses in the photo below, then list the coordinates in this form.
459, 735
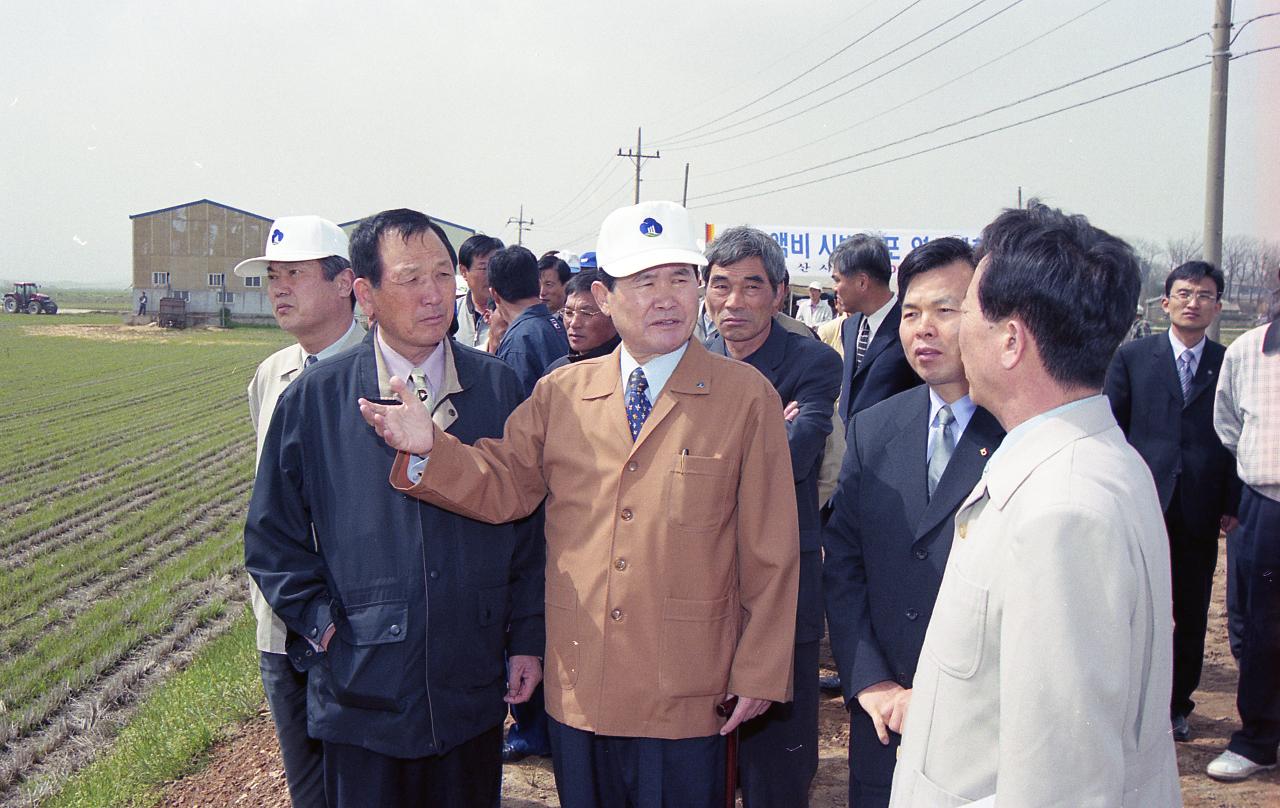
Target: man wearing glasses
1161, 390
590, 331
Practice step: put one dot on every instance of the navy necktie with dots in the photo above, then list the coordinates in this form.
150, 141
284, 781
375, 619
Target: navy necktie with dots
637, 402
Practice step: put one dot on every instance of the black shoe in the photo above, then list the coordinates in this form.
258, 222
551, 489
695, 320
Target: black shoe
829, 683
514, 754
1181, 729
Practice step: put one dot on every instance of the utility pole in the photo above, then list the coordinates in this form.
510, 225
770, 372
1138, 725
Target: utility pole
684, 199
520, 223
1215, 174
638, 158
1019, 197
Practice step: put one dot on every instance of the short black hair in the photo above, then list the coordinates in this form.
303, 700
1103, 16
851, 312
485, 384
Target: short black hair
932, 254
365, 241
478, 246
552, 261
1075, 286
581, 281
609, 281
513, 273
332, 266
1194, 271
866, 253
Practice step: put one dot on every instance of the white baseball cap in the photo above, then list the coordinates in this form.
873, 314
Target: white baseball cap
815, 285
647, 235
297, 238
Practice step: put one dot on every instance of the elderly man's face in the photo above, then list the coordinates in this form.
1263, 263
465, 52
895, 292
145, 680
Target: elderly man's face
741, 299
414, 302
585, 324
980, 344
653, 310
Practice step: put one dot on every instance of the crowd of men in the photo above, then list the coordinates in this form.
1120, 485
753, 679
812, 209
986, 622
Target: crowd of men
622, 496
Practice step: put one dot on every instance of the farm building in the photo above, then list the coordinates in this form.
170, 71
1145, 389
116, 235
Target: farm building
188, 251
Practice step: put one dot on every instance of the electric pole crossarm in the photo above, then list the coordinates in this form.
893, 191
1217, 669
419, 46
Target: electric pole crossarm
639, 157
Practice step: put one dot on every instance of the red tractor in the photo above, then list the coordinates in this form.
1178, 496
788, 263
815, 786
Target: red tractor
27, 297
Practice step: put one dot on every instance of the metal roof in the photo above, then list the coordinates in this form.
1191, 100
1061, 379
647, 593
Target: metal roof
197, 202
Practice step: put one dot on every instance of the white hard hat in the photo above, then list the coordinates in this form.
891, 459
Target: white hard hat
640, 237
297, 238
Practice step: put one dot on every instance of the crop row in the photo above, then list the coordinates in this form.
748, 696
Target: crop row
68, 513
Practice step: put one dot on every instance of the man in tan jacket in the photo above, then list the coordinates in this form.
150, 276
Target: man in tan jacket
672, 560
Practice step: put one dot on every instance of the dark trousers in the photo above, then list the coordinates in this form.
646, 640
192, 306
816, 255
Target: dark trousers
529, 732
871, 764
1192, 560
603, 771
467, 776
303, 756
1257, 580
778, 752
1235, 614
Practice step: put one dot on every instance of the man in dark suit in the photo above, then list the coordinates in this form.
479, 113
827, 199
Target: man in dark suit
778, 753
910, 462
399, 610
1161, 391
874, 365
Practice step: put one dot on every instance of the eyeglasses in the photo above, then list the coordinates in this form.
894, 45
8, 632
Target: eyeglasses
586, 314
1185, 296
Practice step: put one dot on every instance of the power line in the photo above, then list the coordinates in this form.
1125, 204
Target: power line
1242, 25
968, 138
793, 80
912, 99
585, 186
686, 142
952, 124
604, 178
767, 69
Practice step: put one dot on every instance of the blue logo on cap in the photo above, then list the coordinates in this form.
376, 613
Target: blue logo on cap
650, 228
276, 236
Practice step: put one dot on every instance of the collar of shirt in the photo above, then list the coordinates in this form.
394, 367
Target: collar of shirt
877, 317
962, 408
397, 365
1020, 431
1197, 350
656, 371
329, 350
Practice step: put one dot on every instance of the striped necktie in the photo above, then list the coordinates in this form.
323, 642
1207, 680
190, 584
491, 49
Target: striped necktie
1185, 373
864, 339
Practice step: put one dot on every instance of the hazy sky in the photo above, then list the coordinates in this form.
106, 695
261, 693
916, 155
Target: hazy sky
467, 110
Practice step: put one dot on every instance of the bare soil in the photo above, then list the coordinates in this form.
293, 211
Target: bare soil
245, 769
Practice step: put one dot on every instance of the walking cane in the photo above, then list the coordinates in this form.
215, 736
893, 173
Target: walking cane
725, 709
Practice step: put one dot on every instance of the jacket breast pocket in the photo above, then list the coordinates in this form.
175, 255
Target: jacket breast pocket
958, 627
367, 655
698, 640
563, 652
700, 491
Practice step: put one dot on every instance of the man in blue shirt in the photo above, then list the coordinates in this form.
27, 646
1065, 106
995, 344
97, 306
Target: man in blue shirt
534, 338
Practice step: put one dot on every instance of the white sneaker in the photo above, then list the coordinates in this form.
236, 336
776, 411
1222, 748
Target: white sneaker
1230, 767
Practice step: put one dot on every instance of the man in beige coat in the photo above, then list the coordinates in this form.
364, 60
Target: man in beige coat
672, 546
1045, 673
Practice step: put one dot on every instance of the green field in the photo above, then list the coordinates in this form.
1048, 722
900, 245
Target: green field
126, 460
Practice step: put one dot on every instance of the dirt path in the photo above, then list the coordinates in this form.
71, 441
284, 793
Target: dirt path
246, 770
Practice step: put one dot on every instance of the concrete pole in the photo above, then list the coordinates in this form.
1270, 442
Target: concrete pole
1215, 173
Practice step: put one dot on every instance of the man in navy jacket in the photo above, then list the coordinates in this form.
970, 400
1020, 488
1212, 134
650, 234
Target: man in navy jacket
891, 527
778, 754
401, 611
1161, 390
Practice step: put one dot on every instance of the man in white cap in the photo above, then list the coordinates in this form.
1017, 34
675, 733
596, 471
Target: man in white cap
309, 282
815, 311
672, 561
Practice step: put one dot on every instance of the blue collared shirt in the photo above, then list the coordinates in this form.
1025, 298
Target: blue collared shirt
657, 371
1021, 430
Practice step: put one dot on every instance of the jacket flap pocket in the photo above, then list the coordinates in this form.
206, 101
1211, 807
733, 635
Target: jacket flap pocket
376, 623
702, 466
697, 610
957, 629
